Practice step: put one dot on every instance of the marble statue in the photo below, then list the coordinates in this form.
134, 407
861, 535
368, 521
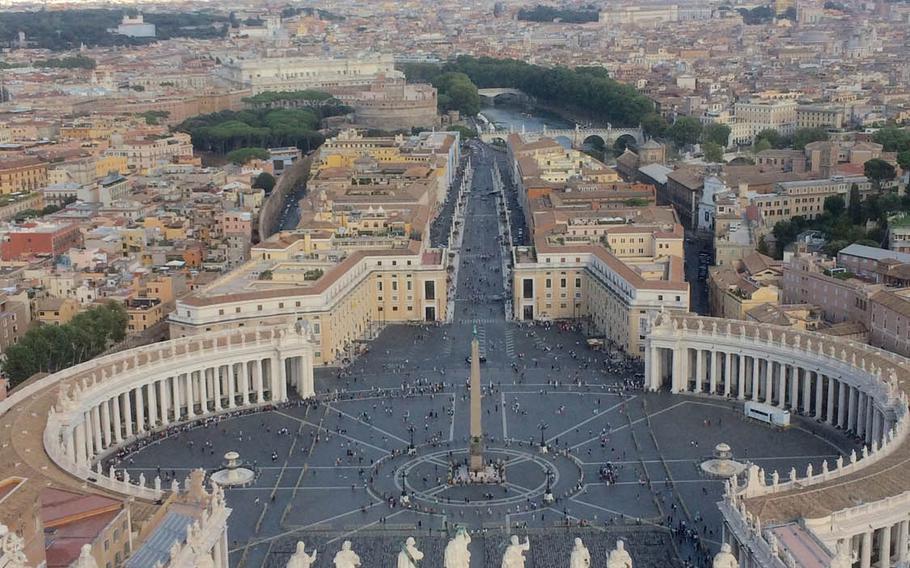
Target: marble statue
85, 560
580, 557
618, 557
457, 554
11, 548
409, 555
725, 558
300, 559
842, 557
346, 558
514, 557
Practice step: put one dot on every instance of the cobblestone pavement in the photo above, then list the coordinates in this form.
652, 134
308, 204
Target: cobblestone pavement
334, 469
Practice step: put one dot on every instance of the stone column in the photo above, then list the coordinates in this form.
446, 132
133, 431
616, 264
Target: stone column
870, 414
866, 552
903, 530
741, 380
140, 410
699, 368
652, 369
106, 422
769, 381
756, 364
153, 404
203, 391
175, 396
245, 382
164, 407
277, 380
310, 373
257, 380
728, 373
794, 388
714, 371
819, 393
807, 392
861, 414
80, 443
781, 385
216, 386
851, 409
89, 436
190, 395
232, 386
96, 428
842, 405
128, 414
829, 415
884, 548
118, 422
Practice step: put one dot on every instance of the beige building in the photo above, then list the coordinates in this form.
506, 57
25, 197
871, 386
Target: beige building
589, 282
816, 116
735, 290
804, 198
22, 175
341, 302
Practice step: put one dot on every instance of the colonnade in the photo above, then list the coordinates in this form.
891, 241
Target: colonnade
777, 381
161, 401
858, 512
882, 547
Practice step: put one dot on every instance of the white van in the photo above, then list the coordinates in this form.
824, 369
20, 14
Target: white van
768, 414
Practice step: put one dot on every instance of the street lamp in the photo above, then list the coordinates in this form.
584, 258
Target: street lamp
411, 449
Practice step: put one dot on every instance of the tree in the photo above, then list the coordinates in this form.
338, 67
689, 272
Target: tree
879, 170
459, 93
51, 348
856, 207
772, 137
241, 156
761, 146
716, 133
762, 247
834, 205
903, 159
805, 136
714, 153
265, 181
685, 131
654, 125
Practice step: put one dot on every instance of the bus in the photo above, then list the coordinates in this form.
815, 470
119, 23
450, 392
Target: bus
767, 414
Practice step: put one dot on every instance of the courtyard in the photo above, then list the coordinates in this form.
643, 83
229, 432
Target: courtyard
369, 459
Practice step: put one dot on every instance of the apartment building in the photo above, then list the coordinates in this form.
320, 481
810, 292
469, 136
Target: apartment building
22, 175
805, 198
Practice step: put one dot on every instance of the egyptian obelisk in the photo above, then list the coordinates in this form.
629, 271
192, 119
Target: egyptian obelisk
476, 461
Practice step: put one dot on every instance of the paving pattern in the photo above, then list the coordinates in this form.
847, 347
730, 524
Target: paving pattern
335, 468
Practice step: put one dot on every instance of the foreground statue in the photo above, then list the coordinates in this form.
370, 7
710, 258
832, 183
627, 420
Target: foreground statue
580, 557
457, 554
725, 558
618, 557
346, 558
514, 556
300, 559
409, 555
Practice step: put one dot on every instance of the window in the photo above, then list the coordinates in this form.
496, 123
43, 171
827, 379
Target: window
429, 290
394, 285
548, 283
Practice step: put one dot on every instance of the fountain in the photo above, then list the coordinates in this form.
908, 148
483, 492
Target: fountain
233, 473
722, 464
